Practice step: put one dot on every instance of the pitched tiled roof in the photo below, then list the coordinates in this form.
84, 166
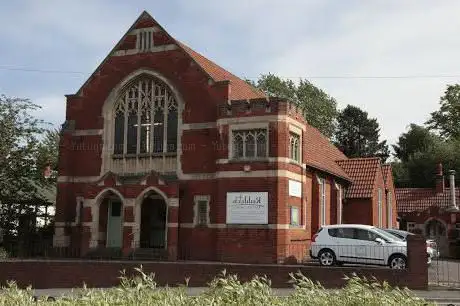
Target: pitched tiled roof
322, 154
387, 173
363, 172
420, 199
239, 89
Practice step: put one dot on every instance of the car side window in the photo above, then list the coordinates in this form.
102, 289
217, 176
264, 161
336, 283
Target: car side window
332, 232
347, 233
362, 234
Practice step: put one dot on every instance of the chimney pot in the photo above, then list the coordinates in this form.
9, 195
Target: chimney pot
440, 187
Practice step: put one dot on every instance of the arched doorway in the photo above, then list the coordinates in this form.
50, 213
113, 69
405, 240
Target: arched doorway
111, 221
435, 229
153, 222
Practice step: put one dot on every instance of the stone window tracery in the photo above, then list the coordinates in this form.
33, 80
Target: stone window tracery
146, 118
249, 143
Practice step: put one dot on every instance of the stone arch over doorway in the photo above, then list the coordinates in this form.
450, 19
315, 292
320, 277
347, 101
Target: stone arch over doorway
435, 228
152, 215
109, 210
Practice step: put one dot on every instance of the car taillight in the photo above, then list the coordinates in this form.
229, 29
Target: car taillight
313, 239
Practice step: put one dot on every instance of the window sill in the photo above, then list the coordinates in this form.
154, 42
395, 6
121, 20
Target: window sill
143, 155
291, 226
249, 160
295, 162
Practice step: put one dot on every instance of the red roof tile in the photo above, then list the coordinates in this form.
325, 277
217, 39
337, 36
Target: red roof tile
420, 199
322, 154
363, 172
239, 89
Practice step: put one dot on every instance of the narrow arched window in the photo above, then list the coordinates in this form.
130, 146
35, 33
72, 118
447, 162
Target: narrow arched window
146, 118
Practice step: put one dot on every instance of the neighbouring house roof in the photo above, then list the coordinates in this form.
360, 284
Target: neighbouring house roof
239, 89
420, 199
322, 154
363, 172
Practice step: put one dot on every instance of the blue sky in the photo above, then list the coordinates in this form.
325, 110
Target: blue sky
291, 38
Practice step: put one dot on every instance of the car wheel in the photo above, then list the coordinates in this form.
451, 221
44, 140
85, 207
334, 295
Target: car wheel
397, 262
326, 258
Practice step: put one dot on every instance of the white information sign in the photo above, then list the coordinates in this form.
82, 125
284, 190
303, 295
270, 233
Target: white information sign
247, 207
295, 189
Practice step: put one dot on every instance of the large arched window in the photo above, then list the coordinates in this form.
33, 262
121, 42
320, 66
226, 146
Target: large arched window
146, 118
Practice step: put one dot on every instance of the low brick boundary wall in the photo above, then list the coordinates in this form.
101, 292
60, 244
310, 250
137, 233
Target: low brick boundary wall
44, 274
102, 274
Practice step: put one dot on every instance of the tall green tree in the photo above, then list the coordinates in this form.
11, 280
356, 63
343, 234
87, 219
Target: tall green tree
358, 135
47, 155
320, 108
421, 166
19, 142
446, 120
416, 139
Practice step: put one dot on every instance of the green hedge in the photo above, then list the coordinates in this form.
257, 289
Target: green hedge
225, 290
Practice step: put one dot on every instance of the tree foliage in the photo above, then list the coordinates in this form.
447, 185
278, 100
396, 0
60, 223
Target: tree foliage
446, 120
417, 139
421, 153
20, 134
320, 108
358, 135
47, 155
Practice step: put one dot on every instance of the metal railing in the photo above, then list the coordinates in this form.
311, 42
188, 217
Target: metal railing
444, 270
291, 253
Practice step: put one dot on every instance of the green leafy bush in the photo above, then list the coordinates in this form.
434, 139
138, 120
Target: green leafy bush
3, 254
224, 290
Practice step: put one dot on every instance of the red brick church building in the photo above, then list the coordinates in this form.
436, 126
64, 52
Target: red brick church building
164, 150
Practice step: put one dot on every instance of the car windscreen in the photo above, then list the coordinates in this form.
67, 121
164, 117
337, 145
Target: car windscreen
396, 234
387, 235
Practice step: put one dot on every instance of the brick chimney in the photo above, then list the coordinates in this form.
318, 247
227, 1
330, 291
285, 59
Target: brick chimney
440, 187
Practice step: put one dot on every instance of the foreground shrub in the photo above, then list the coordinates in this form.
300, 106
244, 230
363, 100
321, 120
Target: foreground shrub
224, 290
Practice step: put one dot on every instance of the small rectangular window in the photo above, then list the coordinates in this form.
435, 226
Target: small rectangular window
294, 216
322, 201
201, 210
202, 213
380, 212
410, 226
390, 210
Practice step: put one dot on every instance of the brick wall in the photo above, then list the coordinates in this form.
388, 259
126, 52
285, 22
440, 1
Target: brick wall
69, 274
357, 211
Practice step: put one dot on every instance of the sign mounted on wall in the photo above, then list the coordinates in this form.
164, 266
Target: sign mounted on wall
247, 207
295, 189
